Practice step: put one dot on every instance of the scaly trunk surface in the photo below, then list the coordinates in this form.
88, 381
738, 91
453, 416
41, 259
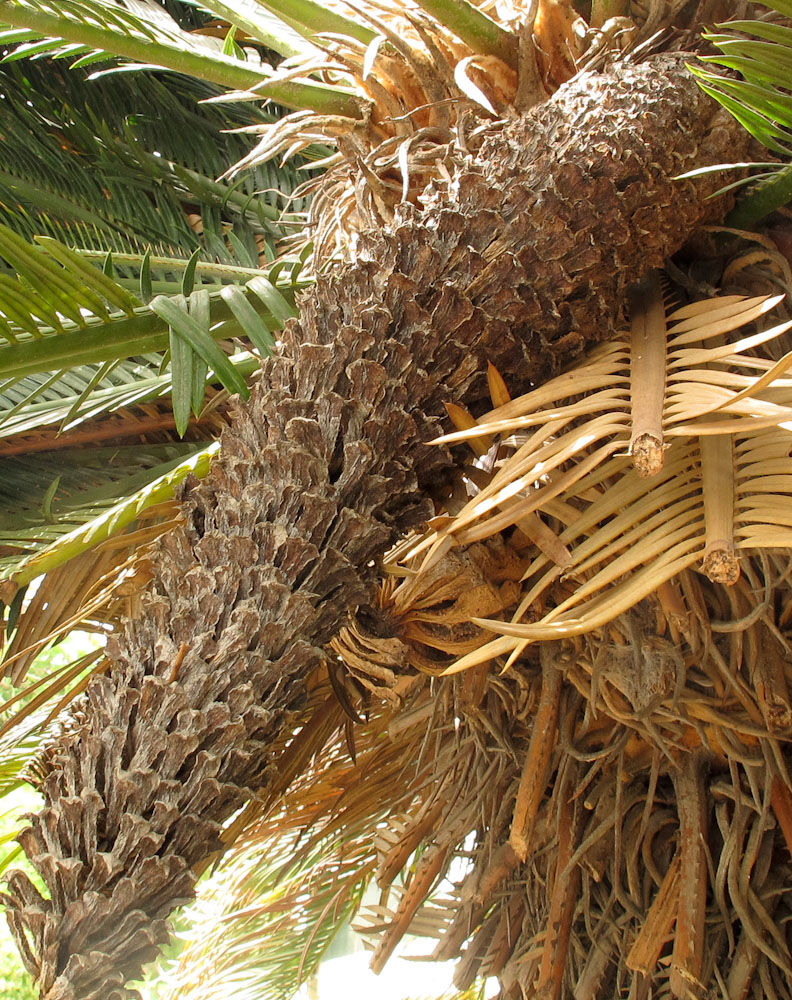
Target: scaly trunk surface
521, 260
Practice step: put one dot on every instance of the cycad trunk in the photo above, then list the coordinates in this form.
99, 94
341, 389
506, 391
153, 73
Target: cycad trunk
521, 260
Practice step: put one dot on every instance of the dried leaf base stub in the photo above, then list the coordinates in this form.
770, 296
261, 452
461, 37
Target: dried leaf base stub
521, 259
624, 778
604, 849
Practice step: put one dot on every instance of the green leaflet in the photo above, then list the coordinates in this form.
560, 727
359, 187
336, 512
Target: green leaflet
64, 545
760, 101
175, 312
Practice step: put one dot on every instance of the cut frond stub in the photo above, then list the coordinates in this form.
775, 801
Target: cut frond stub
648, 374
717, 474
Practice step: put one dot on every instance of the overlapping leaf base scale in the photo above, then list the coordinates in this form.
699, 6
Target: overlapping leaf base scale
521, 261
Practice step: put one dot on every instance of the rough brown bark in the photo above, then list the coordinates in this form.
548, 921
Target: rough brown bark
522, 260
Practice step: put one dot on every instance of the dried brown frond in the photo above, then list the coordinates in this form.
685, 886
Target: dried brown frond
629, 790
627, 534
425, 91
624, 864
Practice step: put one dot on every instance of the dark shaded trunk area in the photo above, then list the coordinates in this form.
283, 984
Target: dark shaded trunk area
522, 261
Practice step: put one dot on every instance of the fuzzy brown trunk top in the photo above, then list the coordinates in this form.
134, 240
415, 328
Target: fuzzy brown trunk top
522, 260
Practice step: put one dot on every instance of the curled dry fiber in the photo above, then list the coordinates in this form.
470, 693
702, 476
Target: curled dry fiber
521, 261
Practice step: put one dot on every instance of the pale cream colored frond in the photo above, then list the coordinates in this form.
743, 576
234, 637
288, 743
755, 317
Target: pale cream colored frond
720, 482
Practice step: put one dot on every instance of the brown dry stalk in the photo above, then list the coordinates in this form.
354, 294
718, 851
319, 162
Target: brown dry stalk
656, 928
426, 874
768, 674
564, 895
503, 863
397, 858
781, 801
602, 956
669, 593
536, 769
450, 943
506, 934
688, 955
522, 260
109, 429
743, 967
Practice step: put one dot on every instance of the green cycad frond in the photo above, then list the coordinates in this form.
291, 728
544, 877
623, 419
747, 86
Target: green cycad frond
126, 162
120, 351
348, 78
42, 409
61, 312
85, 535
15, 754
97, 495
77, 361
28, 710
761, 51
36, 703
146, 32
88, 31
72, 492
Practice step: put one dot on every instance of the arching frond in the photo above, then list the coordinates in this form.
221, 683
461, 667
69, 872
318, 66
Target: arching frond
761, 51
628, 513
128, 163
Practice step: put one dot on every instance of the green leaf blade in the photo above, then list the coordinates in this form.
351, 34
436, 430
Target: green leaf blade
174, 312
